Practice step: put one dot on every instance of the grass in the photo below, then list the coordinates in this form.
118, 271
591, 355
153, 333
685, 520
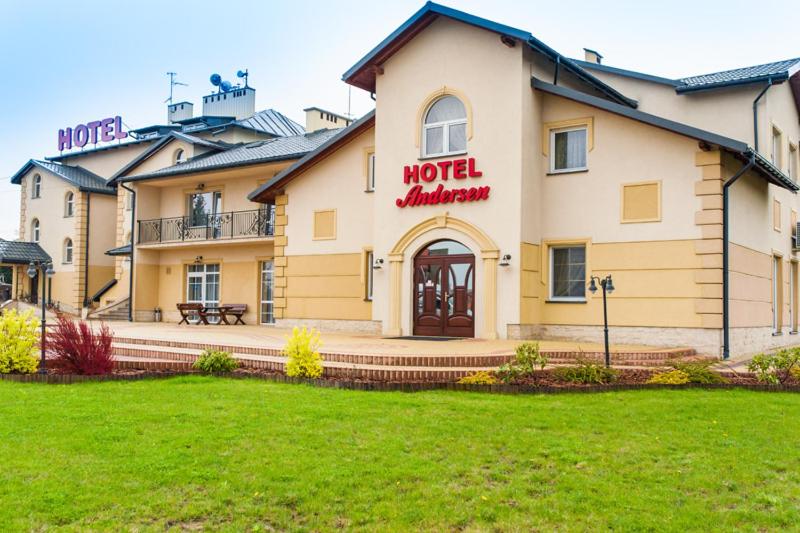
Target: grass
194, 453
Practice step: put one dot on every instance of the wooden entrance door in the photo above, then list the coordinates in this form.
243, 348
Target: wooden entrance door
444, 291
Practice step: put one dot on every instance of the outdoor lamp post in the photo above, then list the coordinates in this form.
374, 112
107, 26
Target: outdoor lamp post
608, 287
46, 268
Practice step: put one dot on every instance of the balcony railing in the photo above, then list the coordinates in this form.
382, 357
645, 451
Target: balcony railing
205, 227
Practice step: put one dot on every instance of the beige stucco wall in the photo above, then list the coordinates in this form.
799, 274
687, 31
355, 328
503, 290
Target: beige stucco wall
106, 163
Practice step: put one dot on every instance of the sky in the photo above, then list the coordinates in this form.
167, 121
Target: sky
67, 63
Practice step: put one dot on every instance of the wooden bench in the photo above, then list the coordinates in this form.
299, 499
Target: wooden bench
233, 310
188, 311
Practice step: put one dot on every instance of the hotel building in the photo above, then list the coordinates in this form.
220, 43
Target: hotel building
494, 178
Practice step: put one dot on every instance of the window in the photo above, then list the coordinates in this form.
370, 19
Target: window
568, 149
68, 251
776, 295
776, 214
35, 230
777, 151
444, 131
793, 297
368, 271
793, 161
180, 156
203, 206
267, 315
202, 284
36, 189
370, 171
568, 273
128, 200
69, 204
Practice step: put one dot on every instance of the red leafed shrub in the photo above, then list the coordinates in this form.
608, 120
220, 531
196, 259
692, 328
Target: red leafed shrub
79, 350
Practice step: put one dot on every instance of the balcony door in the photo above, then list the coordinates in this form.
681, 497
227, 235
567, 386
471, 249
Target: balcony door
204, 215
202, 284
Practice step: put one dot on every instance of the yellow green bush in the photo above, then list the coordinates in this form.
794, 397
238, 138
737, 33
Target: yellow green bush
481, 377
19, 342
302, 351
673, 377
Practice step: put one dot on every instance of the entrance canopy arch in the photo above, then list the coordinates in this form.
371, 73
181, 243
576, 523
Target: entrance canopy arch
487, 285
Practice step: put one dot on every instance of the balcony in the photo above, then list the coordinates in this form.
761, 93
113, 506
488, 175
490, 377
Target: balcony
232, 225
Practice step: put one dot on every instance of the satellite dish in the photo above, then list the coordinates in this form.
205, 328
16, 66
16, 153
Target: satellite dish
216, 79
226, 86
241, 74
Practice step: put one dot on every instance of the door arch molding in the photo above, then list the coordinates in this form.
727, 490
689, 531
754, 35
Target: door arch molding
489, 254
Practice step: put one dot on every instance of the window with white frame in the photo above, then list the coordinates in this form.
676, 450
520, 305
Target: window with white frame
128, 200
568, 149
36, 188
370, 261
202, 284
793, 161
35, 230
371, 172
180, 156
67, 250
444, 131
203, 207
267, 311
69, 204
777, 149
568, 273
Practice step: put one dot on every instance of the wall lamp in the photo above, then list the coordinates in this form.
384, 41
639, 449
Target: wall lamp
607, 285
505, 260
377, 264
198, 260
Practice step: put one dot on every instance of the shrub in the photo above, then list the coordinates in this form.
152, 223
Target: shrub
79, 350
212, 361
776, 368
304, 360
698, 371
527, 360
19, 340
586, 372
481, 377
673, 377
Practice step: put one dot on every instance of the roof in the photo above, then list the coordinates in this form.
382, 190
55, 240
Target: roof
277, 149
362, 74
191, 139
315, 108
21, 252
104, 148
81, 178
628, 73
762, 165
267, 190
777, 71
273, 122
119, 250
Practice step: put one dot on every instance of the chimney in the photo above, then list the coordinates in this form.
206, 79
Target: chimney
320, 119
237, 102
179, 111
590, 56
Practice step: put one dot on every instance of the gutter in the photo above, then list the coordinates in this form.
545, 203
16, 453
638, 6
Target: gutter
755, 111
726, 330
133, 231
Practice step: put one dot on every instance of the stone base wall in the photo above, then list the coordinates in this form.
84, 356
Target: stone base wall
751, 341
143, 316
370, 327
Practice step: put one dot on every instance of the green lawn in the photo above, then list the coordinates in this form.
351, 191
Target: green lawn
247, 454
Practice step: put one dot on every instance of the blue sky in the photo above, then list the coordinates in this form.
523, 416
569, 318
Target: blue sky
66, 63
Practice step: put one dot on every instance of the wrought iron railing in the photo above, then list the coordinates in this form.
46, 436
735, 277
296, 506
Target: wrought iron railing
208, 227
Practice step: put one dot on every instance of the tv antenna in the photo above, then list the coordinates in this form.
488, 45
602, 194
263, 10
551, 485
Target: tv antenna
172, 84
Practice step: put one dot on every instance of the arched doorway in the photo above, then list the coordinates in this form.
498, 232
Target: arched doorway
444, 290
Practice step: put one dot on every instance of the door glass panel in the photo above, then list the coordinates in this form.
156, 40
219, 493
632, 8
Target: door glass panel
267, 284
441, 248
429, 290
460, 289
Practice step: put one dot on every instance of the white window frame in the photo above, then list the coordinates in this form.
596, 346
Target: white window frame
553, 133
35, 230
69, 204
777, 147
445, 125
128, 200
36, 186
551, 284
267, 268
792, 296
216, 208
204, 277
67, 251
371, 172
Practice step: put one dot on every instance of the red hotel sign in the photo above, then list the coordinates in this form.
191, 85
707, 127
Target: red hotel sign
457, 169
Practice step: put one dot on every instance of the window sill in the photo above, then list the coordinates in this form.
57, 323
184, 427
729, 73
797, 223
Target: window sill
560, 172
558, 301
440, 156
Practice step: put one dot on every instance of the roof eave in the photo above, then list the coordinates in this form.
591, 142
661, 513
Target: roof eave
775, 78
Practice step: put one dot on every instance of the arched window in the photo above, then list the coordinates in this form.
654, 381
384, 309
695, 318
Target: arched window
36, 188
444, 130
35, 230
69, 204
180, 156
68, 250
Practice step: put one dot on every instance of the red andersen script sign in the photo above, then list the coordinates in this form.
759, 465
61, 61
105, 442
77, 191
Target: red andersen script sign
457, 169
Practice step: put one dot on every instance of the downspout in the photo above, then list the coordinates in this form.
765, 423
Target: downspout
726, 333
133, 232
755, 112
86, 251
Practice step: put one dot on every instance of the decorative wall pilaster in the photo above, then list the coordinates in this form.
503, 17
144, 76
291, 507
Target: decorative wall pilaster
709, 247
280, 261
